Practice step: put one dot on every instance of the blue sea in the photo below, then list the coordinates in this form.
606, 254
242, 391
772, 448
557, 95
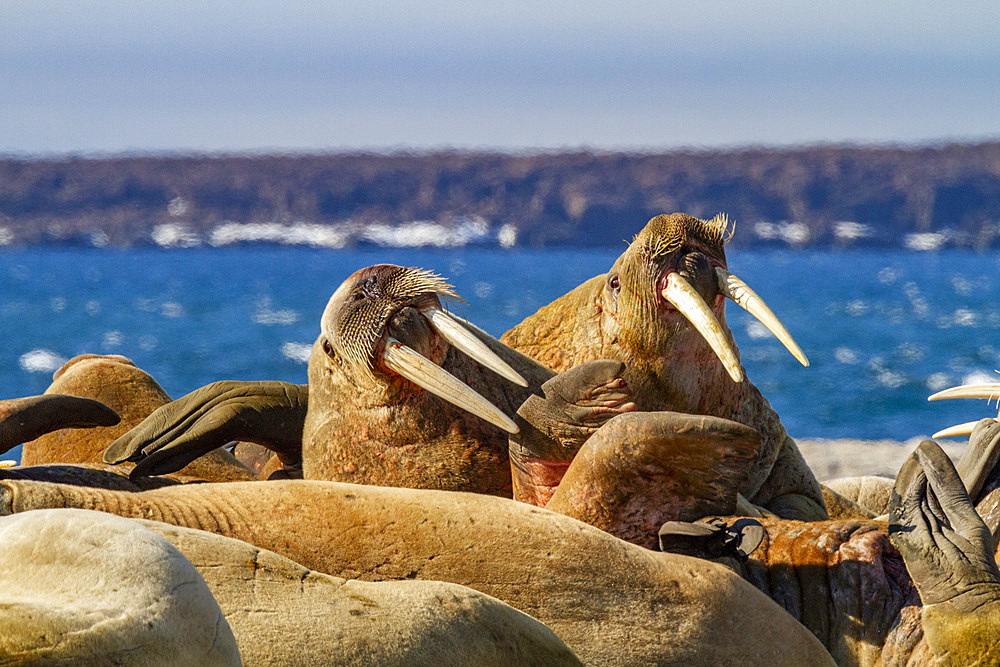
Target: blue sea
883, 329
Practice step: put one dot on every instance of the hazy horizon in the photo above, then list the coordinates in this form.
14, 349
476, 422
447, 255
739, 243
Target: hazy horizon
111, 78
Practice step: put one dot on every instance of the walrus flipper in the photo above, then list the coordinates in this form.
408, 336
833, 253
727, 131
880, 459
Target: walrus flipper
948, 551
271, 414
24, 419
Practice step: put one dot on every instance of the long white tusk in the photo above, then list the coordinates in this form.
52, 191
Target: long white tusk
693, 307
740, 293
953, 431
452, 331
423, 372
7, 463
989, 390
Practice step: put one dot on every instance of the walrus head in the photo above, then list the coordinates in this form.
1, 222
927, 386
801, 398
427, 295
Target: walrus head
674, 274
386, 323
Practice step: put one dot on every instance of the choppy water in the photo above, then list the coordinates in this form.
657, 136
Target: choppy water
882, 329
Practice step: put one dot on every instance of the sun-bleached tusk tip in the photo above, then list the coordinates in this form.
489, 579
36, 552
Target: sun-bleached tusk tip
454, 331
989, 390
737, 291
957, 430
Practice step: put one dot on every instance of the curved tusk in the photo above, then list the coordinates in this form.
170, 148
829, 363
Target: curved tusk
423, 372
953, 431
7, 463
989, 390
452, 330
740, 293
690, 304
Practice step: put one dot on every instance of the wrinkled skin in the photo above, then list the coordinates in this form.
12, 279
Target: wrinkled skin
94, 399
948, 550
669, 366
610, 601
922, 588
356, 420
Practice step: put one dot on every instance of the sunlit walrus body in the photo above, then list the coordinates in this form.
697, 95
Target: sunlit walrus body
641, 312
94, 399
612, 602
398, 395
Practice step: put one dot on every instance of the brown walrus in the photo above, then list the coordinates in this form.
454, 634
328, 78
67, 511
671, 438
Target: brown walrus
610, 601
660, 310
94, 399
842, 580
387, 354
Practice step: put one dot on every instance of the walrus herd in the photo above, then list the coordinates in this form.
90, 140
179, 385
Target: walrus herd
600, 485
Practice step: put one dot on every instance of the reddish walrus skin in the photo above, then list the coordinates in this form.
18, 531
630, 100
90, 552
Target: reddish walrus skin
610, 601
669, 366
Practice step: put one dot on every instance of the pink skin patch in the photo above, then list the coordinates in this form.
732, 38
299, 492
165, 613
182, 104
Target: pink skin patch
665, 306
535, 481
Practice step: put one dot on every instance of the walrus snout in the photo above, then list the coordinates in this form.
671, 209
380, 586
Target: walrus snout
410, 327
696, 268
391, 318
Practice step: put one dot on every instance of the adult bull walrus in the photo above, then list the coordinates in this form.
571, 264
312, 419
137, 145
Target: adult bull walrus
387, 354
613, 602
365, 417
661, 311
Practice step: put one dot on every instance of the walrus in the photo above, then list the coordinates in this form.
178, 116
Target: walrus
400, 393
86, 588
660, 310
93, 400
610, 601
145, 604
844, 581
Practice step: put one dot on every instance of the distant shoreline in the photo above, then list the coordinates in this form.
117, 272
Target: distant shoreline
824, 196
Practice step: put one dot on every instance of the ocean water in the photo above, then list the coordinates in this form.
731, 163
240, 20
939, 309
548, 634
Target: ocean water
883, 330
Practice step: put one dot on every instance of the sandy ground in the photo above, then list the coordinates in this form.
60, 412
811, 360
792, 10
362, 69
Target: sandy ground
830, 459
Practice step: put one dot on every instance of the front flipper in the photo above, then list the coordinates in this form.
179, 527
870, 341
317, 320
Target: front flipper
643, 469
553, 426
24, 419
948, 551
266, 413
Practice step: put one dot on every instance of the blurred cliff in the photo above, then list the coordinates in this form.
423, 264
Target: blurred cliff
827, 196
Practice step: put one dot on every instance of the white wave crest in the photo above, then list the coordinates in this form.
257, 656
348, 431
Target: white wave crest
41, 361
296, 351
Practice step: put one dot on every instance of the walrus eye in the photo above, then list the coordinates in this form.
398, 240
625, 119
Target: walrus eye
614, 282
327, 348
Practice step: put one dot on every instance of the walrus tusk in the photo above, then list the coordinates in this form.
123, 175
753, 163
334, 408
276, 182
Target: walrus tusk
423, 372
7, 463
989, 390
451, 329
956, 430
740, 293
690, 304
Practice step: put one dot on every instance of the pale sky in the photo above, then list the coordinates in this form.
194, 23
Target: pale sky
308, 75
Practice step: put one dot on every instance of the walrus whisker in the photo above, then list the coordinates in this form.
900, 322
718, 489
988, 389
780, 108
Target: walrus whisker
740, 293
452, 330
690, 304
424, 373
956, 430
